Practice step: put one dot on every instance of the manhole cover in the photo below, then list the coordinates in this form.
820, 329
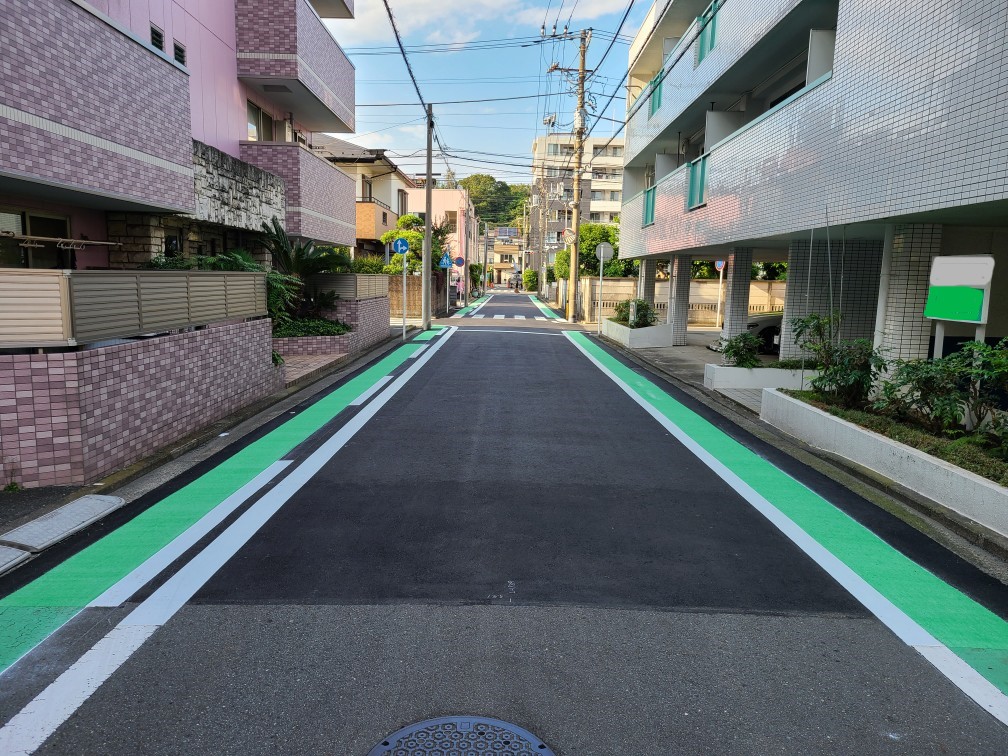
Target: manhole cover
460, 736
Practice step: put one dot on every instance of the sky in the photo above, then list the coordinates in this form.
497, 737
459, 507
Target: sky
513, 63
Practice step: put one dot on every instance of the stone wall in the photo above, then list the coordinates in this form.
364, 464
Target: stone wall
71, 418
369, 319
140, 236
414, 290
231, 192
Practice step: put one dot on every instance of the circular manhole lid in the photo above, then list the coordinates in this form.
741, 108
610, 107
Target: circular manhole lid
460, 736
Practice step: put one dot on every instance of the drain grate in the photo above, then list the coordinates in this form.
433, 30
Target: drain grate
460, 736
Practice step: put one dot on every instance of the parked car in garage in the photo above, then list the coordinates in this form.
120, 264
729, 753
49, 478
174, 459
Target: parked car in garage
767, 328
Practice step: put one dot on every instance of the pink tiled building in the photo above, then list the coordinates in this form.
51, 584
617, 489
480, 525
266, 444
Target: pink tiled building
168, 126
451, 206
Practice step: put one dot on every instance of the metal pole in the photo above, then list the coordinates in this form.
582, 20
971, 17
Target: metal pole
578, 150
405, 254
425, 313
598, 305
720, 278
465, 264
486, 244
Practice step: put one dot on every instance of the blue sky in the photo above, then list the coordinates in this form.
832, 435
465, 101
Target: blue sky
464, 73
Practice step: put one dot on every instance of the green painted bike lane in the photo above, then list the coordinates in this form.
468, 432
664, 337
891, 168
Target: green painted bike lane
975, 634
469, 308
544, 309
32, 613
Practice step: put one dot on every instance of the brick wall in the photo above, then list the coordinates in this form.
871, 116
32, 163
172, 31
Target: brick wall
369, 319
320, 198
414, 289
116, 114
70, 418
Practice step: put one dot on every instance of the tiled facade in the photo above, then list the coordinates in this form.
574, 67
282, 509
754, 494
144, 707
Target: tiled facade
897, 117
369, 319
109, 118
320, 197
70, 418
286, 40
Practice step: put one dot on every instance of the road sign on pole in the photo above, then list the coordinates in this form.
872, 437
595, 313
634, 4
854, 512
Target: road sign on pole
446, 261
604, 252
401, 247
459, 261
569, 236
719, 264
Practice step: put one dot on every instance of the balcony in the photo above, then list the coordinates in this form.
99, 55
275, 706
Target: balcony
53, 308
374, 218
103, 122
717, 60
320, 197
286, 55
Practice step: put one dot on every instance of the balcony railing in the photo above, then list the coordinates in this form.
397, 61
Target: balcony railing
376, 201
48, 308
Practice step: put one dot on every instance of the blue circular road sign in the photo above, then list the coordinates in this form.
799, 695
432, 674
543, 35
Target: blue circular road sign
400, 246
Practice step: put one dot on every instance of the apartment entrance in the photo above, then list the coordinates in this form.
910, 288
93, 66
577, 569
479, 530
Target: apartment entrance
35, 252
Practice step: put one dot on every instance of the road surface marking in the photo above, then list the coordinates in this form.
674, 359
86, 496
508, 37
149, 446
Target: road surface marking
942, 624
41, 717
32, 613
541, 318
477, 317
509, 330
481, 306
519, 317
550, 315
374, 389
419, 351
498, 317
138, 578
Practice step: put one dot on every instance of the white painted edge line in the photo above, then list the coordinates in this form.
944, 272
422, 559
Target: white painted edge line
371, 391
42, 716
482, 304
508, 330
417, 353
906, 629
128, 585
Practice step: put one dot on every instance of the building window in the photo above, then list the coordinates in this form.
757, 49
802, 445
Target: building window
707, 22
649, 203
617, 152
367, 189
615, 196
597, 195
655, 99
451, 221
595, 217
552, 149
157, 37
698, 182
260, 124
384, 218
402, 202
180, 56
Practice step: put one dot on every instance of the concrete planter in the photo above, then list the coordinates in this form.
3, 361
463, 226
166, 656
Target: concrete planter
723, 376
958, 490
637, 338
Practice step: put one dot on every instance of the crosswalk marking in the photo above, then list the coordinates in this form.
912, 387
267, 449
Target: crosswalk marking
519, 317
479, 316
538, 318
498, 317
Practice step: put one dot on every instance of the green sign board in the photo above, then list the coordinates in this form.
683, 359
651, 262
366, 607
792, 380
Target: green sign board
960, 288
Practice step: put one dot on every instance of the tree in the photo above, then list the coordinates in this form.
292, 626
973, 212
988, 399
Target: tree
704, 269
496, 202
590, 236
561, 265
450, 182
411, 228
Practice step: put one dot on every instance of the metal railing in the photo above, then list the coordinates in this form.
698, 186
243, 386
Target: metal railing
376, 201
47, 308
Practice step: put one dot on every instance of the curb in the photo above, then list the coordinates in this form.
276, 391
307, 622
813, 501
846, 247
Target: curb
924, 515
29, 537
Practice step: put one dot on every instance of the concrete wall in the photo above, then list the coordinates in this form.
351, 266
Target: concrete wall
71, 418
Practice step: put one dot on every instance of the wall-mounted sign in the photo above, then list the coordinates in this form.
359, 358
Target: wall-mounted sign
960, 288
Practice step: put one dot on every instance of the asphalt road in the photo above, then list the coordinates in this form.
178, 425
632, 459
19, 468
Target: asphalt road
501, 530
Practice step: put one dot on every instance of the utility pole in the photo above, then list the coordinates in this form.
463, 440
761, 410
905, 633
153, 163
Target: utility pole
486, 244
579, 128
468, 243
425, 313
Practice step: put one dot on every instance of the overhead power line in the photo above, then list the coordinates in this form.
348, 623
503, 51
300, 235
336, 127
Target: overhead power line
461, 102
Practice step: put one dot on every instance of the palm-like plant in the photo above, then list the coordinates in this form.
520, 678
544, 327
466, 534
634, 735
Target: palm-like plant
302, 259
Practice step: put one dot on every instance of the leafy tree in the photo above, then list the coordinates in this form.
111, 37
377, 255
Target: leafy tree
704, 269
411, 228
530, 280
561, 265
590, 236
496, 202
302, 259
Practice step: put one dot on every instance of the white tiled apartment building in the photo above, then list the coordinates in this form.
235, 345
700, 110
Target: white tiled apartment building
855, 139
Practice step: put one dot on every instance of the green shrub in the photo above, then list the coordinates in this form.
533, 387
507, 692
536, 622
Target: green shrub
794, 365
530, 280
368, 264
924, 392
850, 372
550, 275
645, 313
741, 350
561, 264
309, 327
818, 335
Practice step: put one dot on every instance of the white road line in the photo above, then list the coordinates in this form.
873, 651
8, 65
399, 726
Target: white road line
498, 317
905, 628
418, 352
519, 317
481, 306
479, 316
40, 718
509, 330
371, 391
539, 318
144, 573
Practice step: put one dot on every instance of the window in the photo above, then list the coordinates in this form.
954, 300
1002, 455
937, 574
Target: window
157, 37
180, 53
260, 124
596, 151
552, 149
451, 220
384, 218
597, 196
367, 192
654, 102
402, 202
558, 237
617, 152
615, 196
707, 21
698, 182
649, 203
595, 217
